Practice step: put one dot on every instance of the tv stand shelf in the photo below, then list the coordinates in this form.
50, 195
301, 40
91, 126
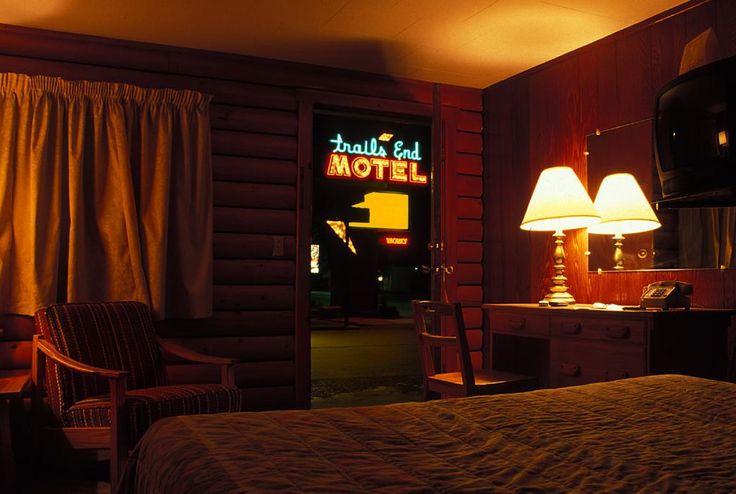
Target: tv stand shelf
572, 345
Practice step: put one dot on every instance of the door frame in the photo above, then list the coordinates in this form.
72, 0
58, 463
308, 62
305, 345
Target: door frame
443, 121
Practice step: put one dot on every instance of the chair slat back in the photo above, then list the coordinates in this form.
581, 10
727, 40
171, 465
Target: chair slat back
113, 335
434, 323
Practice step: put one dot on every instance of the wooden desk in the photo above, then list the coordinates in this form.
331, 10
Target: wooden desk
576, 345
12, 387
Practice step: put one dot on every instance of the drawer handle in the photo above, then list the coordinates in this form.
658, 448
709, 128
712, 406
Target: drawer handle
572, 328
617, 332
570, 369
517, 324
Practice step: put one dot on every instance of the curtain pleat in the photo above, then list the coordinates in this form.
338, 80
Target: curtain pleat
105, 194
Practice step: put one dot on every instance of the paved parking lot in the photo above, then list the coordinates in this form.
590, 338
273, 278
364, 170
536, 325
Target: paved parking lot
372, 361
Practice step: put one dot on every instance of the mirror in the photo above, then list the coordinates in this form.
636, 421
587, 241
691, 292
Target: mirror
625, 149
688, 237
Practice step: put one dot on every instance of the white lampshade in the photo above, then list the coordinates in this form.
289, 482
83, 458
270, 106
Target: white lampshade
623, 207
559, 202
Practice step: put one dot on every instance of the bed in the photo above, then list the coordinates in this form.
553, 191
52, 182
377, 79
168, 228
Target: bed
662, 433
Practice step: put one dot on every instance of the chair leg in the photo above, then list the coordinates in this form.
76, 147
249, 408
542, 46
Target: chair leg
38, 369
114, 463
118, 458
428, 395
118, 431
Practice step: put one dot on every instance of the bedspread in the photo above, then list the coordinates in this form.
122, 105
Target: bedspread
652, 434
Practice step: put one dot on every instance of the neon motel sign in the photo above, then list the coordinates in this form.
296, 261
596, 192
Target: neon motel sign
370, 160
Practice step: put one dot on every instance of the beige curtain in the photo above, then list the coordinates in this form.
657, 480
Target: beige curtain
105, 194
707, 237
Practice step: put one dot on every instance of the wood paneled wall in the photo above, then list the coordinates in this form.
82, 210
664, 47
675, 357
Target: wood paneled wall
541, 117
255, 140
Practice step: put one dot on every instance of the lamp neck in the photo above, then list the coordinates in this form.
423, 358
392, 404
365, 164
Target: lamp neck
559, 254
558, 294
618, 253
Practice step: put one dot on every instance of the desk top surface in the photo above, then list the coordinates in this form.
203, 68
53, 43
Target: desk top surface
588, 308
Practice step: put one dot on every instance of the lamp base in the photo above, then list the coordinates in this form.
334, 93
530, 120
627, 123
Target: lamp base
559, 299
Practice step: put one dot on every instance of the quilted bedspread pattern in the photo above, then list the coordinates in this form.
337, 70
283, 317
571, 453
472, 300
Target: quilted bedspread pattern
652, 434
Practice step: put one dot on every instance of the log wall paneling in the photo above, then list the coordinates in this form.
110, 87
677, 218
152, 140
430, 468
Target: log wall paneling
470, 121
255, 170
469, 230
235, 143
247, 349
15, 354
251, 220
232, 323
253, 297
469, 252
246, 271
469, 273
469, 164
254, 195
253, 246
247, 374
473, 317
13, 327
268, 398
259, 120
541, 117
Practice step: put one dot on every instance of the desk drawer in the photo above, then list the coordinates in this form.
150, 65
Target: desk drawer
511, 322
585, 361
619, 330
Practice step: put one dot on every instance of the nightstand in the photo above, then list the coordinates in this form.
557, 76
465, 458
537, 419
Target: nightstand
13, 386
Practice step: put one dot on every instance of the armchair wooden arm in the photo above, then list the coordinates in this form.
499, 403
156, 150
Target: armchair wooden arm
227, 365
51, 352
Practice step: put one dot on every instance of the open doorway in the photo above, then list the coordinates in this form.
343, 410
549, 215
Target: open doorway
371, 225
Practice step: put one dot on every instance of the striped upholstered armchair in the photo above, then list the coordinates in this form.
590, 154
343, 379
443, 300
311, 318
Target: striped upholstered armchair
102, 368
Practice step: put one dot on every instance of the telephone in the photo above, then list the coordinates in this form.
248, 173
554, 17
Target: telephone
666, 295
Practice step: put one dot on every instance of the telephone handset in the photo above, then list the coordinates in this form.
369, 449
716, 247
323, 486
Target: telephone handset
666, 295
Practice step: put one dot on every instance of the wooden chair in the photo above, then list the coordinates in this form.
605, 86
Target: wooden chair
102, 367
428, 319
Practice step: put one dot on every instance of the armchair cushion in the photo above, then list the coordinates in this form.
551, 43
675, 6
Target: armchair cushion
147, 405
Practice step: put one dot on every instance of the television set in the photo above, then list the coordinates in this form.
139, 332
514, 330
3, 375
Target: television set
694, 135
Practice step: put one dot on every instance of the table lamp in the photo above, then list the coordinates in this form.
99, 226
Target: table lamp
559, 202
624, 209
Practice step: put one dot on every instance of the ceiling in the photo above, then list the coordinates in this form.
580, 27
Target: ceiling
466, 42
